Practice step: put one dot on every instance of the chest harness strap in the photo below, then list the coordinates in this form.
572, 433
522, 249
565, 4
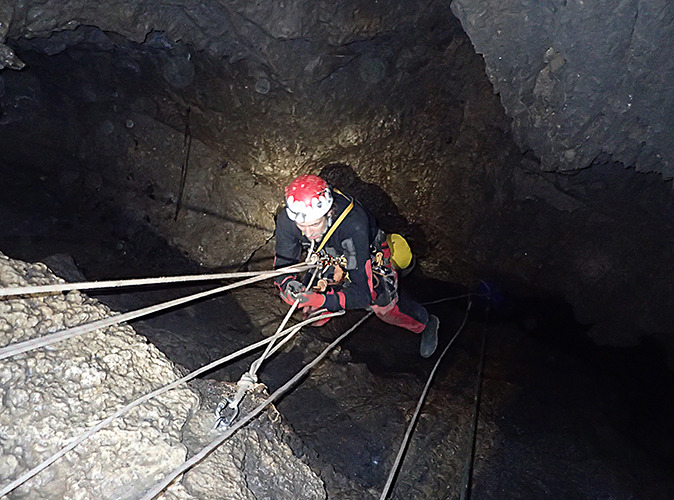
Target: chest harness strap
333, 228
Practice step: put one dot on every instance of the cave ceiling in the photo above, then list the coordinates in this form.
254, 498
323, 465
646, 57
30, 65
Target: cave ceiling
577, 82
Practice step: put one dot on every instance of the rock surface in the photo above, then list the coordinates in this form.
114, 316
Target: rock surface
54, 394
582, 79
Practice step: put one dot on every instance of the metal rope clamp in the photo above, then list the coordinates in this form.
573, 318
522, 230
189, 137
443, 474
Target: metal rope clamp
227, 410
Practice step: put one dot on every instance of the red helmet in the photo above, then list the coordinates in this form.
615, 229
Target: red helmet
308, 198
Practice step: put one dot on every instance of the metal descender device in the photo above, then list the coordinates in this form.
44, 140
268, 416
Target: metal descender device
227, 410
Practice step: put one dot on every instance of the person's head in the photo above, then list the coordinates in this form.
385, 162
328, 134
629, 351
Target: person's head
308, 201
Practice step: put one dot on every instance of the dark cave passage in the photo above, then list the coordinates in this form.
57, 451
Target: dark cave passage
136, 156
560, 416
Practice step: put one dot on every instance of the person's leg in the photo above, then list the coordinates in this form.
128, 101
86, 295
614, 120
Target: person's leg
403, 312
390, 306
412, 316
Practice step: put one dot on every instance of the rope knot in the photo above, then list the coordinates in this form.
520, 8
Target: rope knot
247, 381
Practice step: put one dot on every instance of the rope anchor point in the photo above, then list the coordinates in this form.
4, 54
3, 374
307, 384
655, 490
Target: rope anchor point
227, 410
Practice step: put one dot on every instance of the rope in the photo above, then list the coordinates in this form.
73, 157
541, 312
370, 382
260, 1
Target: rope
456, 297
470, 461
255, 366
468, 469
248, 379
311, 320
158, 488
93, 285
122, 411
28, 345
408, 432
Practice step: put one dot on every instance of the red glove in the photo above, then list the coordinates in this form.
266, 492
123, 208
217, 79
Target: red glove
311, 299
291, 291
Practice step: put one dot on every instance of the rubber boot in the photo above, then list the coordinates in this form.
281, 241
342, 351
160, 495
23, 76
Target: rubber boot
429, 337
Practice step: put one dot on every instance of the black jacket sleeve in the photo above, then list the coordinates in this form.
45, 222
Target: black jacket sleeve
288, 247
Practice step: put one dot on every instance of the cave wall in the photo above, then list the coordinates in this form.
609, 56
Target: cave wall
588, 88
390, 101
582, 79
333, 90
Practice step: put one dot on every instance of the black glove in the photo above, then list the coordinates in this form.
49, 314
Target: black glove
291, 291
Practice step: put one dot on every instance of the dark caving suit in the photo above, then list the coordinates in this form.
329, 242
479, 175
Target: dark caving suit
354, 244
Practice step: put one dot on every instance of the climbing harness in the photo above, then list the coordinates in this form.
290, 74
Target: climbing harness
384, 276
385, 283
332, 272
400, 258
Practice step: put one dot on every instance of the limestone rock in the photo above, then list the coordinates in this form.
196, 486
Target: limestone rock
579, 78
52, 395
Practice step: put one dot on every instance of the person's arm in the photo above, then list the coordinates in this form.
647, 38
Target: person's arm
288, 250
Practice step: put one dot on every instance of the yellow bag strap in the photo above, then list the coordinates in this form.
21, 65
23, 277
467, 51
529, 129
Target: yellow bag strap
337, 222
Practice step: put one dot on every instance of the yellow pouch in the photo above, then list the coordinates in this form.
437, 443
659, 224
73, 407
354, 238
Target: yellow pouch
401, 253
